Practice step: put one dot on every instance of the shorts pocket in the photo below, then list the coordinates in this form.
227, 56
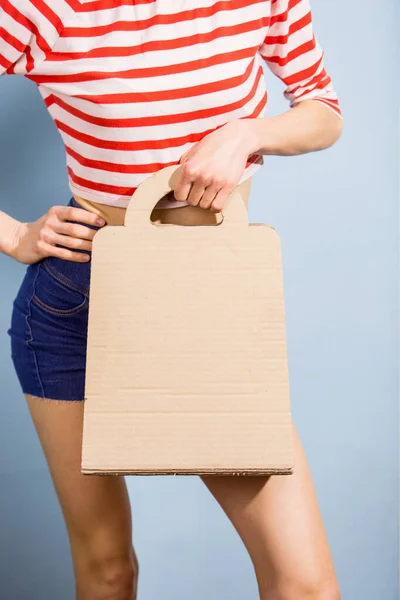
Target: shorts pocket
56, 294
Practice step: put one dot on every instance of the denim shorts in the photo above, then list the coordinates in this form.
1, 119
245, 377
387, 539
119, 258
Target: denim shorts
49, 327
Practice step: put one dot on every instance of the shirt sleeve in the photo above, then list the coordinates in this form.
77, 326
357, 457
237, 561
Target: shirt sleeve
293, 54
28, 31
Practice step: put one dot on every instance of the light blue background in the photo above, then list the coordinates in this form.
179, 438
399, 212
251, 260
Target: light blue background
337, 214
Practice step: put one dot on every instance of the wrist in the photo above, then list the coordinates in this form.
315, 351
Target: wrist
265, 136
261, 135
254, 136
9, 243
245, 133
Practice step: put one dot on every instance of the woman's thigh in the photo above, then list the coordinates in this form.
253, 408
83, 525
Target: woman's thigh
96, 508
279, 521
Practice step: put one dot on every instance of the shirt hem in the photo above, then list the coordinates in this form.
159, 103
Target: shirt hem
123, 201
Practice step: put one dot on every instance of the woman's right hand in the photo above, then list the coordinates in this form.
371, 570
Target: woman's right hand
31, 242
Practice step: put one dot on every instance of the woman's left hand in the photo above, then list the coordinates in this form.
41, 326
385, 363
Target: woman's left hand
213, 167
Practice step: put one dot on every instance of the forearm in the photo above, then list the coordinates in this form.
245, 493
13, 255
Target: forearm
308, 127
8, 229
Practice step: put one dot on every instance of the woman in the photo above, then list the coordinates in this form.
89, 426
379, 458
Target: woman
133, 86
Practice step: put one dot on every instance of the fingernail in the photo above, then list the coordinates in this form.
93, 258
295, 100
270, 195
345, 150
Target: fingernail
100, 221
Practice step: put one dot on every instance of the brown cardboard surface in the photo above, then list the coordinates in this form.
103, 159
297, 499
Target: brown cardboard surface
186, 357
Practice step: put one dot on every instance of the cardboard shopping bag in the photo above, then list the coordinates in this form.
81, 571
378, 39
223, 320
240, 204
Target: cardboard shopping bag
186, 353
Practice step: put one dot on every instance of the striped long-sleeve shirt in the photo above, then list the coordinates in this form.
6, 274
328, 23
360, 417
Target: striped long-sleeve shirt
132, 84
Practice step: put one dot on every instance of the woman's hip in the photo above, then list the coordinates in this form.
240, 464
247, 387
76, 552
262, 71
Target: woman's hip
48, 328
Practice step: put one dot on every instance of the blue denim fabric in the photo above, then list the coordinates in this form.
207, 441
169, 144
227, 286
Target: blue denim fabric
49, 328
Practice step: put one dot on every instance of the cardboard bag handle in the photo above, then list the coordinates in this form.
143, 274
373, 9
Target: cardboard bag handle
155, 187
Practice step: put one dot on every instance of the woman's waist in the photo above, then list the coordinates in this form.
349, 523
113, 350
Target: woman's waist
181, 215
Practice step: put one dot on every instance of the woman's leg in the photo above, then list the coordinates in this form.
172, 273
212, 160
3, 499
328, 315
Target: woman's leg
279, 522
96, 508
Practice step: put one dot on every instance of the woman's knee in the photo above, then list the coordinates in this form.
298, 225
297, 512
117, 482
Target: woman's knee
325, 590
107, 576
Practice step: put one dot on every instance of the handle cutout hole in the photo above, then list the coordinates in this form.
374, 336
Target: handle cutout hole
185, 215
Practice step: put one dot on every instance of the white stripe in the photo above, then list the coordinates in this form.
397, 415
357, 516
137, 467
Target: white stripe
163, 31
147, 86
156, 132
46, 28
136, 157
301, 63
141, 157
326, 94
295, 14
170, 107
295, 40
9, 52
14, 28
156, 59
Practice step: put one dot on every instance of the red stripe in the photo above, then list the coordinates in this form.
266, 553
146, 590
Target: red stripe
178, 94
137, 168
295, 53
47, 12
272, 40
30, 63
282, 17
187, 15
4, 62
101, 187
126, 145
148, 72
132, 169
161, 45
11, 40
314, 82
331, 103
97, 5
74, 4
302, 76
320, 81
136, 146
125, 191
154, 121
254, 158
259, 108
27, 23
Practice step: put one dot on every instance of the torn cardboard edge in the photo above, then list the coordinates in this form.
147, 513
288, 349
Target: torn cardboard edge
237, 473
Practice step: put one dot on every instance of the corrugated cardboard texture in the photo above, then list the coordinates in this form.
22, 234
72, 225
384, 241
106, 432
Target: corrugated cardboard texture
187, 361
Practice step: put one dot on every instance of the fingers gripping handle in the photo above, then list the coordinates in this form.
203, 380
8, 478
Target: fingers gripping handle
159, 185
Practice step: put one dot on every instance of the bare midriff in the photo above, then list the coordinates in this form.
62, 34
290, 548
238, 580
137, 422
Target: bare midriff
184, 215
